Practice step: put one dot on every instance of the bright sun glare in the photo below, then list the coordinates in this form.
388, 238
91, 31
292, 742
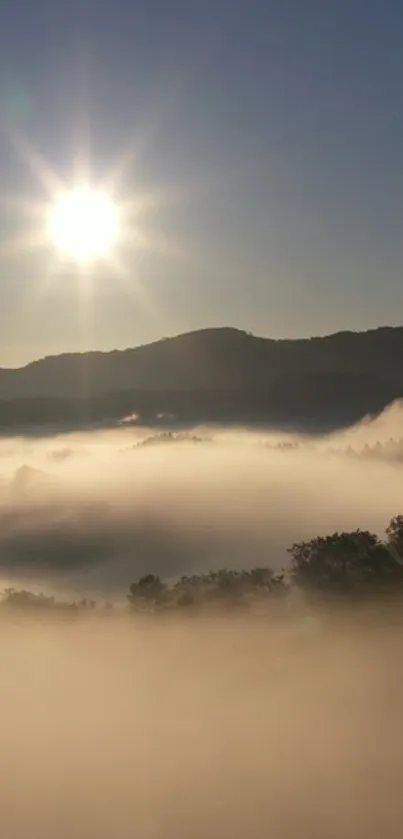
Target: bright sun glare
83, 224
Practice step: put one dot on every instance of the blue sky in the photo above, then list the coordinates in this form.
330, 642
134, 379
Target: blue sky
273, 128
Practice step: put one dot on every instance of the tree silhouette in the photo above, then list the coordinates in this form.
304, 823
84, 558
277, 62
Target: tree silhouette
345, 563
224, 587
148, 593
394, 532
353, 563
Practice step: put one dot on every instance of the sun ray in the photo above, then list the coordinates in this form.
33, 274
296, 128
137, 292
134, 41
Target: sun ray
141, 141
11, 201
39, 167
151, 129
134, 289
25, 242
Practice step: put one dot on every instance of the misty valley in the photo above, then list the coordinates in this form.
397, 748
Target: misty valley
201, 419
209, 619
87, 514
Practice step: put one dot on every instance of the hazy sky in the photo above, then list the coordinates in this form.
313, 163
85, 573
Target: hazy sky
273, 130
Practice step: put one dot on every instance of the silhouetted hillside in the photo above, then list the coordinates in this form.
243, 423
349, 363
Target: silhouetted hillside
213, 375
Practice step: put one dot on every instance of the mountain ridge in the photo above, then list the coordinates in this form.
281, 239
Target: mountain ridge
346, 333
218, 374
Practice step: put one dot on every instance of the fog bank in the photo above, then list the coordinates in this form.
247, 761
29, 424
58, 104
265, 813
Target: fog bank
200, 729
91, 512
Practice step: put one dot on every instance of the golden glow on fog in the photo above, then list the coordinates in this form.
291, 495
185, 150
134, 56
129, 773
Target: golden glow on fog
83, 224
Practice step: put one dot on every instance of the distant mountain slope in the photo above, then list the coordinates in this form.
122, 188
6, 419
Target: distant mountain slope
213, 375
210, 359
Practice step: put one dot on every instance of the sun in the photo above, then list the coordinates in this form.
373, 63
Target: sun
87, 229
83, 224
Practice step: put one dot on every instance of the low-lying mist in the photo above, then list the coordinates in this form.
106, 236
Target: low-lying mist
199, 728
238, 724
90, 512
